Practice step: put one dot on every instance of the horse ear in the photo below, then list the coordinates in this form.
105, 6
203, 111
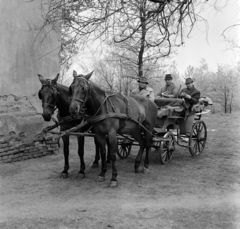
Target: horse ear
41, 78
87, 77
74, 74
54, 81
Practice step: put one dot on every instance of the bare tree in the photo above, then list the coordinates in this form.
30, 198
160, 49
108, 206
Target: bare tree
189, 72
225, 85
146, 24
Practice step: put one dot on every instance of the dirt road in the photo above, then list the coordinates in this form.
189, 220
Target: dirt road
190, 192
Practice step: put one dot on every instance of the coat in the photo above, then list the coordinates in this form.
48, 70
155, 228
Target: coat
195, 96
147, 92
169, 90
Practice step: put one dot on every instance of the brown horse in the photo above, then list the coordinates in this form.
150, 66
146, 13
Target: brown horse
54, 95
114, 114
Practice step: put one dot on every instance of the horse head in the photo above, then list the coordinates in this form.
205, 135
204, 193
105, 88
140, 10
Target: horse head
79, 91
48, 94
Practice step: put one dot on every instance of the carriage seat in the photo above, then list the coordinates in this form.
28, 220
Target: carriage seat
169, 107
170, 111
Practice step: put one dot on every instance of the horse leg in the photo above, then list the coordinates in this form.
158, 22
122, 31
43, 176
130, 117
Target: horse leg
97, 154
81, 173
148, 143
102, 144
112, 144
108, 152
64, 173
138, 137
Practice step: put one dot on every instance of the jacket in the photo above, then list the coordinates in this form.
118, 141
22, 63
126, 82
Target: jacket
169, 90
147, 92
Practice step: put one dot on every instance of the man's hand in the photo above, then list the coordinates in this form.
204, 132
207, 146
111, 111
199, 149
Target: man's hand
164, 95
188, 96
185, 95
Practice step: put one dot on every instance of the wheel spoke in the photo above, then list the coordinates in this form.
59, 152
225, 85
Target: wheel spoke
195, 148
167, 148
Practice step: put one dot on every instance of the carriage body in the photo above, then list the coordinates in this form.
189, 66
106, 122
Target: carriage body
174, 126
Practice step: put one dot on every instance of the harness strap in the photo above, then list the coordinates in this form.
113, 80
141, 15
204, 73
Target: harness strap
101, 117
121, 96
71, 118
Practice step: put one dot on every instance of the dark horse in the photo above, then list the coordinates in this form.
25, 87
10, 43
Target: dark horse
55, 95
114, 114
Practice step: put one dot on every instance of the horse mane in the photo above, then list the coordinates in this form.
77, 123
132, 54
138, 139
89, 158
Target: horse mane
62, 87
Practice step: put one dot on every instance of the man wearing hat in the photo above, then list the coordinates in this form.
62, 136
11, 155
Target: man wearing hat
190, 93
169, 90
143, 89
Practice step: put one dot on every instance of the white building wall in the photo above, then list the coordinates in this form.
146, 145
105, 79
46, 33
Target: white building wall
23, 51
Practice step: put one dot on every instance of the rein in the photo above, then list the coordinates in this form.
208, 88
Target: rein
97, 118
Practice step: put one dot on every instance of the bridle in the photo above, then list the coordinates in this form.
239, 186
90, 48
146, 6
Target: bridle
55, 92
83, 101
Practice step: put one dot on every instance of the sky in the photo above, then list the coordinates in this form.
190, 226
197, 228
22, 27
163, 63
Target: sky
210, 46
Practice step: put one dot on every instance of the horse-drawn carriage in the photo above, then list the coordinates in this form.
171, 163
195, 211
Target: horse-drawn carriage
119, 121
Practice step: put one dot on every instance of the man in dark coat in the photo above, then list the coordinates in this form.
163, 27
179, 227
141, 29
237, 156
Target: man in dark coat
190, 94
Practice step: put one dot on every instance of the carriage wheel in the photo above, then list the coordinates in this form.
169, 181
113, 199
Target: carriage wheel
123, 148
167, 148
198, 138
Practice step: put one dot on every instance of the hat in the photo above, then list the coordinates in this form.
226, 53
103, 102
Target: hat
189, 80
168, 77
142, 80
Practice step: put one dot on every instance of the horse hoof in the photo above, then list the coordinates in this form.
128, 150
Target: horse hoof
94, 165
145, 170
64, 175
113, 184
139, 170
100, 179
81, 175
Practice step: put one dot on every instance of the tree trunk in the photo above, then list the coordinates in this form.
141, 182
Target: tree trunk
142, 45
225, 102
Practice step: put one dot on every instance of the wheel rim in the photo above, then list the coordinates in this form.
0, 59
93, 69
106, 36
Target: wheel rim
167, 148
198, 138
124, 148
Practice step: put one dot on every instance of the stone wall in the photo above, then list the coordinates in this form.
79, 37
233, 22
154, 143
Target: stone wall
15, 147
20, 125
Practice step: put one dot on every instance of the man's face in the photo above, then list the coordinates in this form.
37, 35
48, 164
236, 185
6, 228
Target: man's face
168, 82
189, 85
142, 85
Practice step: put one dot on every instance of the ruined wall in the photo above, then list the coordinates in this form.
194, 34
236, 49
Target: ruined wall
26, 50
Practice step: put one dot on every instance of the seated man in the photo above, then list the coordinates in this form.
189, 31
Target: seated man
169, 90
143, 89
170, 106
190, 94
